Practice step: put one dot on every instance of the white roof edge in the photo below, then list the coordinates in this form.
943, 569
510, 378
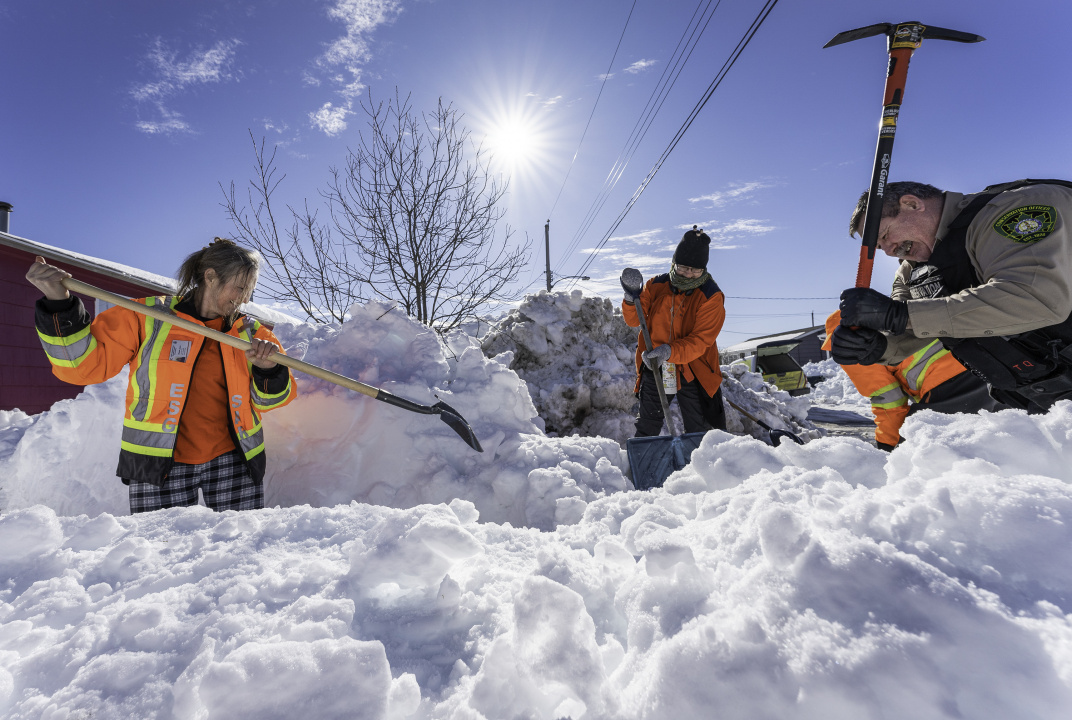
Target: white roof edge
151, 281
118, 271
752, 344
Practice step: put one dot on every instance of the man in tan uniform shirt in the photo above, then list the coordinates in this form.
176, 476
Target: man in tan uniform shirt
989, 274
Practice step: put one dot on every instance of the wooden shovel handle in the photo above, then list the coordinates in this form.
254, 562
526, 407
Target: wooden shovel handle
172, 319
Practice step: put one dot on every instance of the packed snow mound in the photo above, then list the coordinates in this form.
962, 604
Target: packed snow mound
766, 403
836, 388
333, 445
577, 356
829, 580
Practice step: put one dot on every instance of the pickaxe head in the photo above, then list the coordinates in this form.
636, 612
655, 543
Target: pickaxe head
909, 34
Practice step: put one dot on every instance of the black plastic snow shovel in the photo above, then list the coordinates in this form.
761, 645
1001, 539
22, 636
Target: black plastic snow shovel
775, 435
652, 459
445, 412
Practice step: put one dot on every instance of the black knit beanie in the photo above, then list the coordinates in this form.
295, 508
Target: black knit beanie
693, 249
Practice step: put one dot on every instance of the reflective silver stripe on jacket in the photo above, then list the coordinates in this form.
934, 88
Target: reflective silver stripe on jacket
66, 351
149, 438
249, 443
143, 375
923, 359
890, 396
267, 401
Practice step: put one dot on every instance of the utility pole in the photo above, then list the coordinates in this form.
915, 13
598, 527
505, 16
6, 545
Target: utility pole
547, 254
547, 250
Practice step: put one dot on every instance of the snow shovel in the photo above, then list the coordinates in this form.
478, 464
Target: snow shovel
446, 413
775, 435
902, 40
652, 459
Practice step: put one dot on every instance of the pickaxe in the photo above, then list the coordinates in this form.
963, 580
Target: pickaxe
902, 40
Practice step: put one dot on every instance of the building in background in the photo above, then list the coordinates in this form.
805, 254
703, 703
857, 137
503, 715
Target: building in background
26, 379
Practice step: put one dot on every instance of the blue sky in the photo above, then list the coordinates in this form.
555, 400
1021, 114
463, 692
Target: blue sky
121, 119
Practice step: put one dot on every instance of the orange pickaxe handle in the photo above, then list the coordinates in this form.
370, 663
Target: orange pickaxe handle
903, 40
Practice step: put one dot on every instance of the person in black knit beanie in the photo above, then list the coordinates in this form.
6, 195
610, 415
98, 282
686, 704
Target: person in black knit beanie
684, 309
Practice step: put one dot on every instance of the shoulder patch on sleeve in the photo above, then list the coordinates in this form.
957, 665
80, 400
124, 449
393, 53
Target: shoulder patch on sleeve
710, 287
1027, 224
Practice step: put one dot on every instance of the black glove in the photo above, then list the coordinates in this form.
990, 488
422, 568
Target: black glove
632, 283
857, 346
656, 357
884, 446
864, 307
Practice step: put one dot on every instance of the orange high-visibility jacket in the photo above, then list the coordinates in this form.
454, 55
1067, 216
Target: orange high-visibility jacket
891, 386
689, 322
161, 359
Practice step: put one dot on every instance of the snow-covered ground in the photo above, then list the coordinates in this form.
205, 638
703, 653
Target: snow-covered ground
401, 574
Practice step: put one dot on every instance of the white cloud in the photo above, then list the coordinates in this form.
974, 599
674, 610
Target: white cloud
745, 226
173, 75
736, 191
344, 56
329, 119
639, 66
169, 126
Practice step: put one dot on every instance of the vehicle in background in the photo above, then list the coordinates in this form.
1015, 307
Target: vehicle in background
773, 361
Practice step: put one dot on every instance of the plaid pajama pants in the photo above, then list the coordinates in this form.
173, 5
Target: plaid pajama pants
225, 482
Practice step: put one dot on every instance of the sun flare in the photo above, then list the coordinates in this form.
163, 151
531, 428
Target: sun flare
517, 139
512, 142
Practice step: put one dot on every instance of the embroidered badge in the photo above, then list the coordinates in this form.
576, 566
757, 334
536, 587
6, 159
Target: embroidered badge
1027, 224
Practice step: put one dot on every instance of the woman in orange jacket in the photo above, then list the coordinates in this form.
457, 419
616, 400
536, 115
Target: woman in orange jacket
192, 416
684, 310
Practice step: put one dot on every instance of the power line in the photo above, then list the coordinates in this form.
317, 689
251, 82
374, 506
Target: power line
741, 45
690, 39
606, 76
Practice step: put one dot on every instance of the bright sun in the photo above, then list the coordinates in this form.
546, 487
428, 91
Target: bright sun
512, 142
517, 140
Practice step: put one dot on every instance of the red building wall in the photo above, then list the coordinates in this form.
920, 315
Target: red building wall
26, 379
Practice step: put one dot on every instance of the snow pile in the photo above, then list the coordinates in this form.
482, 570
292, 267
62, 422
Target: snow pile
765, 402
829, 580
577, 356
836, 388
333, 445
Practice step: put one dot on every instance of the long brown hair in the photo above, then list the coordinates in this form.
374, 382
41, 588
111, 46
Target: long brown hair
226, 257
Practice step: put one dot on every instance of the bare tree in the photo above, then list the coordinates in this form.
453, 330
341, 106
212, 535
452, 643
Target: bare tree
421, 208
305, 265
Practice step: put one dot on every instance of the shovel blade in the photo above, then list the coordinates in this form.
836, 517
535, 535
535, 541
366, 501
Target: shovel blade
652, 459
457, 423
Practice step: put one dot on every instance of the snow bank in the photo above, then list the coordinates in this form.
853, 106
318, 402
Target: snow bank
829, 580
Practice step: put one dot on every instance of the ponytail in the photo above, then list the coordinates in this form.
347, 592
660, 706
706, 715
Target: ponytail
226, 257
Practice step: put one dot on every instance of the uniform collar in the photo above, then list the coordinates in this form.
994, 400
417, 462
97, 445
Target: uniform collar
954, 203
